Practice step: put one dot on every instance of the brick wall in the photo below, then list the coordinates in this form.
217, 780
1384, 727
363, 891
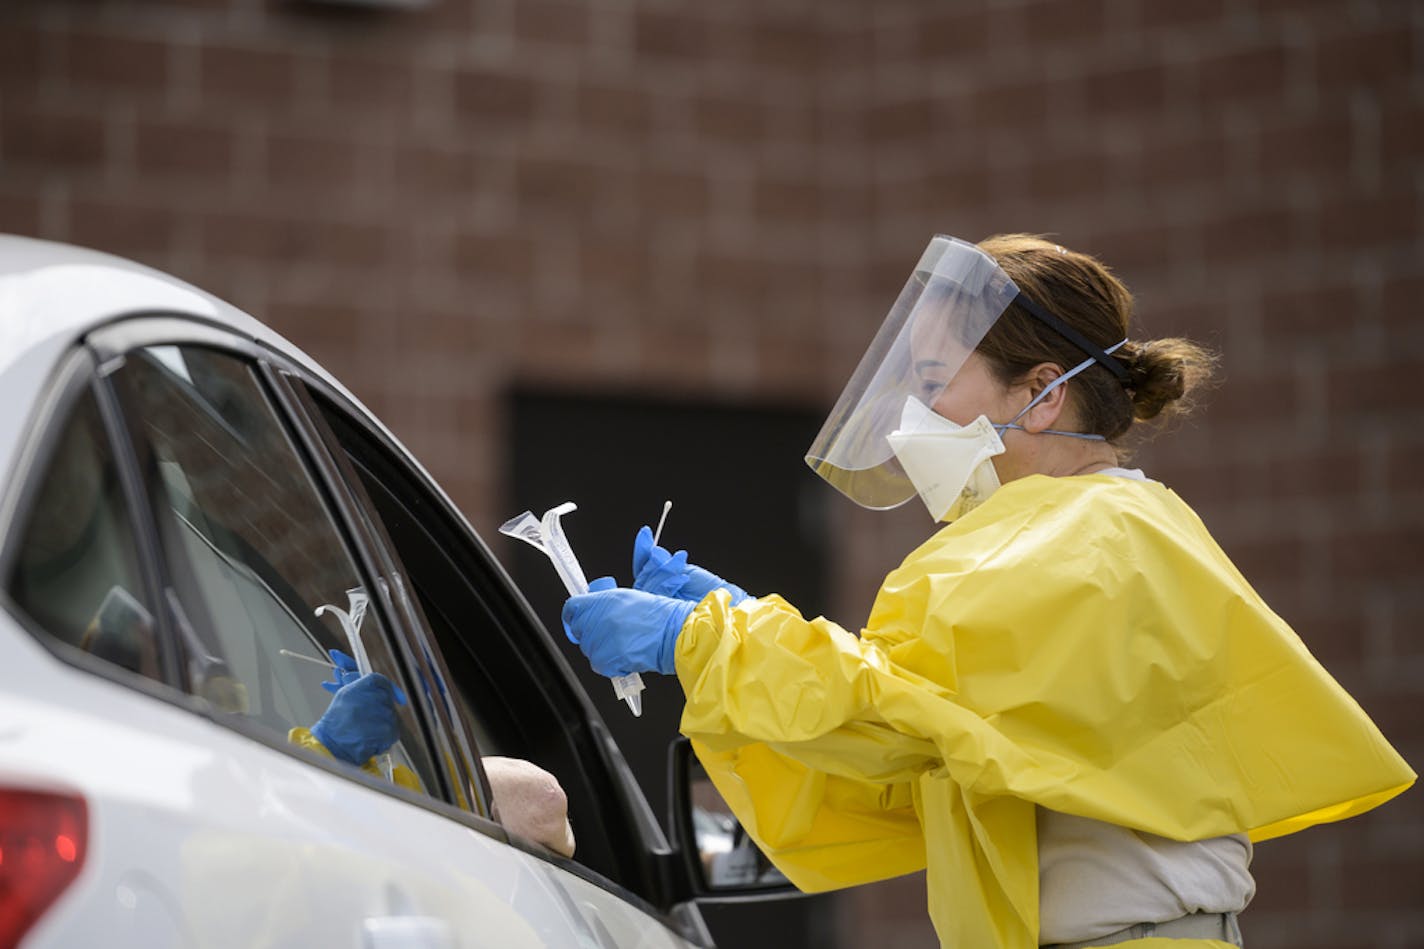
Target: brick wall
722, 199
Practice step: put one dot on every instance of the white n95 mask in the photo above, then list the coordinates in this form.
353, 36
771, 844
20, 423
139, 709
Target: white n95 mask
949, 464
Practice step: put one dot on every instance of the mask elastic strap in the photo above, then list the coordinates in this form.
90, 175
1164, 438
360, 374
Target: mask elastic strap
1055, 384
1100, 356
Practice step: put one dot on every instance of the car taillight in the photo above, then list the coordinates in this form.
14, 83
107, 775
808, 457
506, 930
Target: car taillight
42, 841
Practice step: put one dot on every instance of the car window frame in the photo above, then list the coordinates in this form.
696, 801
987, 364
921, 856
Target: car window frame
464, 775
86, 366
659, 869
110, 343
77, 373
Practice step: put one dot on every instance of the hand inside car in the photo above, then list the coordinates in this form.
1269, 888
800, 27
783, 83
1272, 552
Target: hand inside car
361, 719
529, 801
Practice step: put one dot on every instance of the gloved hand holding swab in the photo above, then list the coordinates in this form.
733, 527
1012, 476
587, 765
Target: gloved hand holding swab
546, 535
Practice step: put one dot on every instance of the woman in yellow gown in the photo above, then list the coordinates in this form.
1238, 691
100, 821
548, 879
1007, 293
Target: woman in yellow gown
1067, 705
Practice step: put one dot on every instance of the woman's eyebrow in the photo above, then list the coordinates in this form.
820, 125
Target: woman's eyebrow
922, 365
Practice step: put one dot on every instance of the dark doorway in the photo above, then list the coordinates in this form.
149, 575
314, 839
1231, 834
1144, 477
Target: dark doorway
745, 506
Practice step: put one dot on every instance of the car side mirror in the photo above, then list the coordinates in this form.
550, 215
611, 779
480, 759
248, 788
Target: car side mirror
719, 857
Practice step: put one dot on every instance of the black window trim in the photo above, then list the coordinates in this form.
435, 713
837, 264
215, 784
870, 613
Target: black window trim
111, 343
662, 869
377, 556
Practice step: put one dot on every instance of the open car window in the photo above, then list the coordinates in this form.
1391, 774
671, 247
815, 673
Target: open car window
503, 681
259, 580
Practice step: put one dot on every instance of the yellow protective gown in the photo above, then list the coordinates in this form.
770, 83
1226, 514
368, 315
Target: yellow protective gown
1080, 644
400, 774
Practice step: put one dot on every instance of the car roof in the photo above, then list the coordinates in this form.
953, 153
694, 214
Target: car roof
51, 294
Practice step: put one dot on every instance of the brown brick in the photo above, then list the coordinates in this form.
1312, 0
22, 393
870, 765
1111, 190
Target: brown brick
298, 160
1245, 76
1401, 135
247, 74
1131, 89
1374, 60
1175, 16
621, 265
542, 22
784, 200
257, 235
624, 110
1316, 312
951, 33
313, 325
355, 244
681, 193
1017, 104
905, 119
724, 119
369, 82
21, 55
108, 62
423, 169
1404, 459
1282, 870
1321, 147
1334, 635
1382, 883
1257, 395
743, 276
1245, 233
1333, 475
1178, 162
1062, 21
52, 139
20, 214
1374, 388
671, 35
1132, 250
786, 42
1350, 222
1379, 554
555, 184
508, 256
488, 96
166, 149
130, 230
1057, 177
958, 191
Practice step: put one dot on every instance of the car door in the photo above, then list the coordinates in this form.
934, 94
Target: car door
253, 839
506, 684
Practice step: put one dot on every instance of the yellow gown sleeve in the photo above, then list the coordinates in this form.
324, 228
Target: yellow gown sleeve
400, 774
781, 713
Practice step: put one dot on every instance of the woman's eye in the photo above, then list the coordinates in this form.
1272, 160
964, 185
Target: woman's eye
929, 388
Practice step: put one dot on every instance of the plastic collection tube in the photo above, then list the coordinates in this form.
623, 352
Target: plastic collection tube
547, 535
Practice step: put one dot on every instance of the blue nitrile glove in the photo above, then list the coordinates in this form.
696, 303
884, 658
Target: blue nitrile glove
622, 631
657, 571
345, 671
361, 719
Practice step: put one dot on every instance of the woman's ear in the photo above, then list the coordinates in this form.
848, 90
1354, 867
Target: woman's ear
1050, 408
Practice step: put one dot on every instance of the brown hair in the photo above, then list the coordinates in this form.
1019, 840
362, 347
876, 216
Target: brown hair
1162, 374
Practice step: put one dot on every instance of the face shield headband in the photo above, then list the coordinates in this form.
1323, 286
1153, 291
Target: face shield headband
951, 301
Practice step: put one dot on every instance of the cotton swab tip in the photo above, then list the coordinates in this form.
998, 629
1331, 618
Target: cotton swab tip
667, 506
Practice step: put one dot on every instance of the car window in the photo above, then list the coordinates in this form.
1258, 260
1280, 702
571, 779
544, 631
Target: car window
503, 682
76, 571
262, 582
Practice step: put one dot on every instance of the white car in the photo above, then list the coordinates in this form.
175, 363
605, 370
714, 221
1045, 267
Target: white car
183, 492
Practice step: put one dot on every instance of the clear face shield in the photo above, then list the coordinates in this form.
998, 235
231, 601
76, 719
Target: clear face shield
947, 307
